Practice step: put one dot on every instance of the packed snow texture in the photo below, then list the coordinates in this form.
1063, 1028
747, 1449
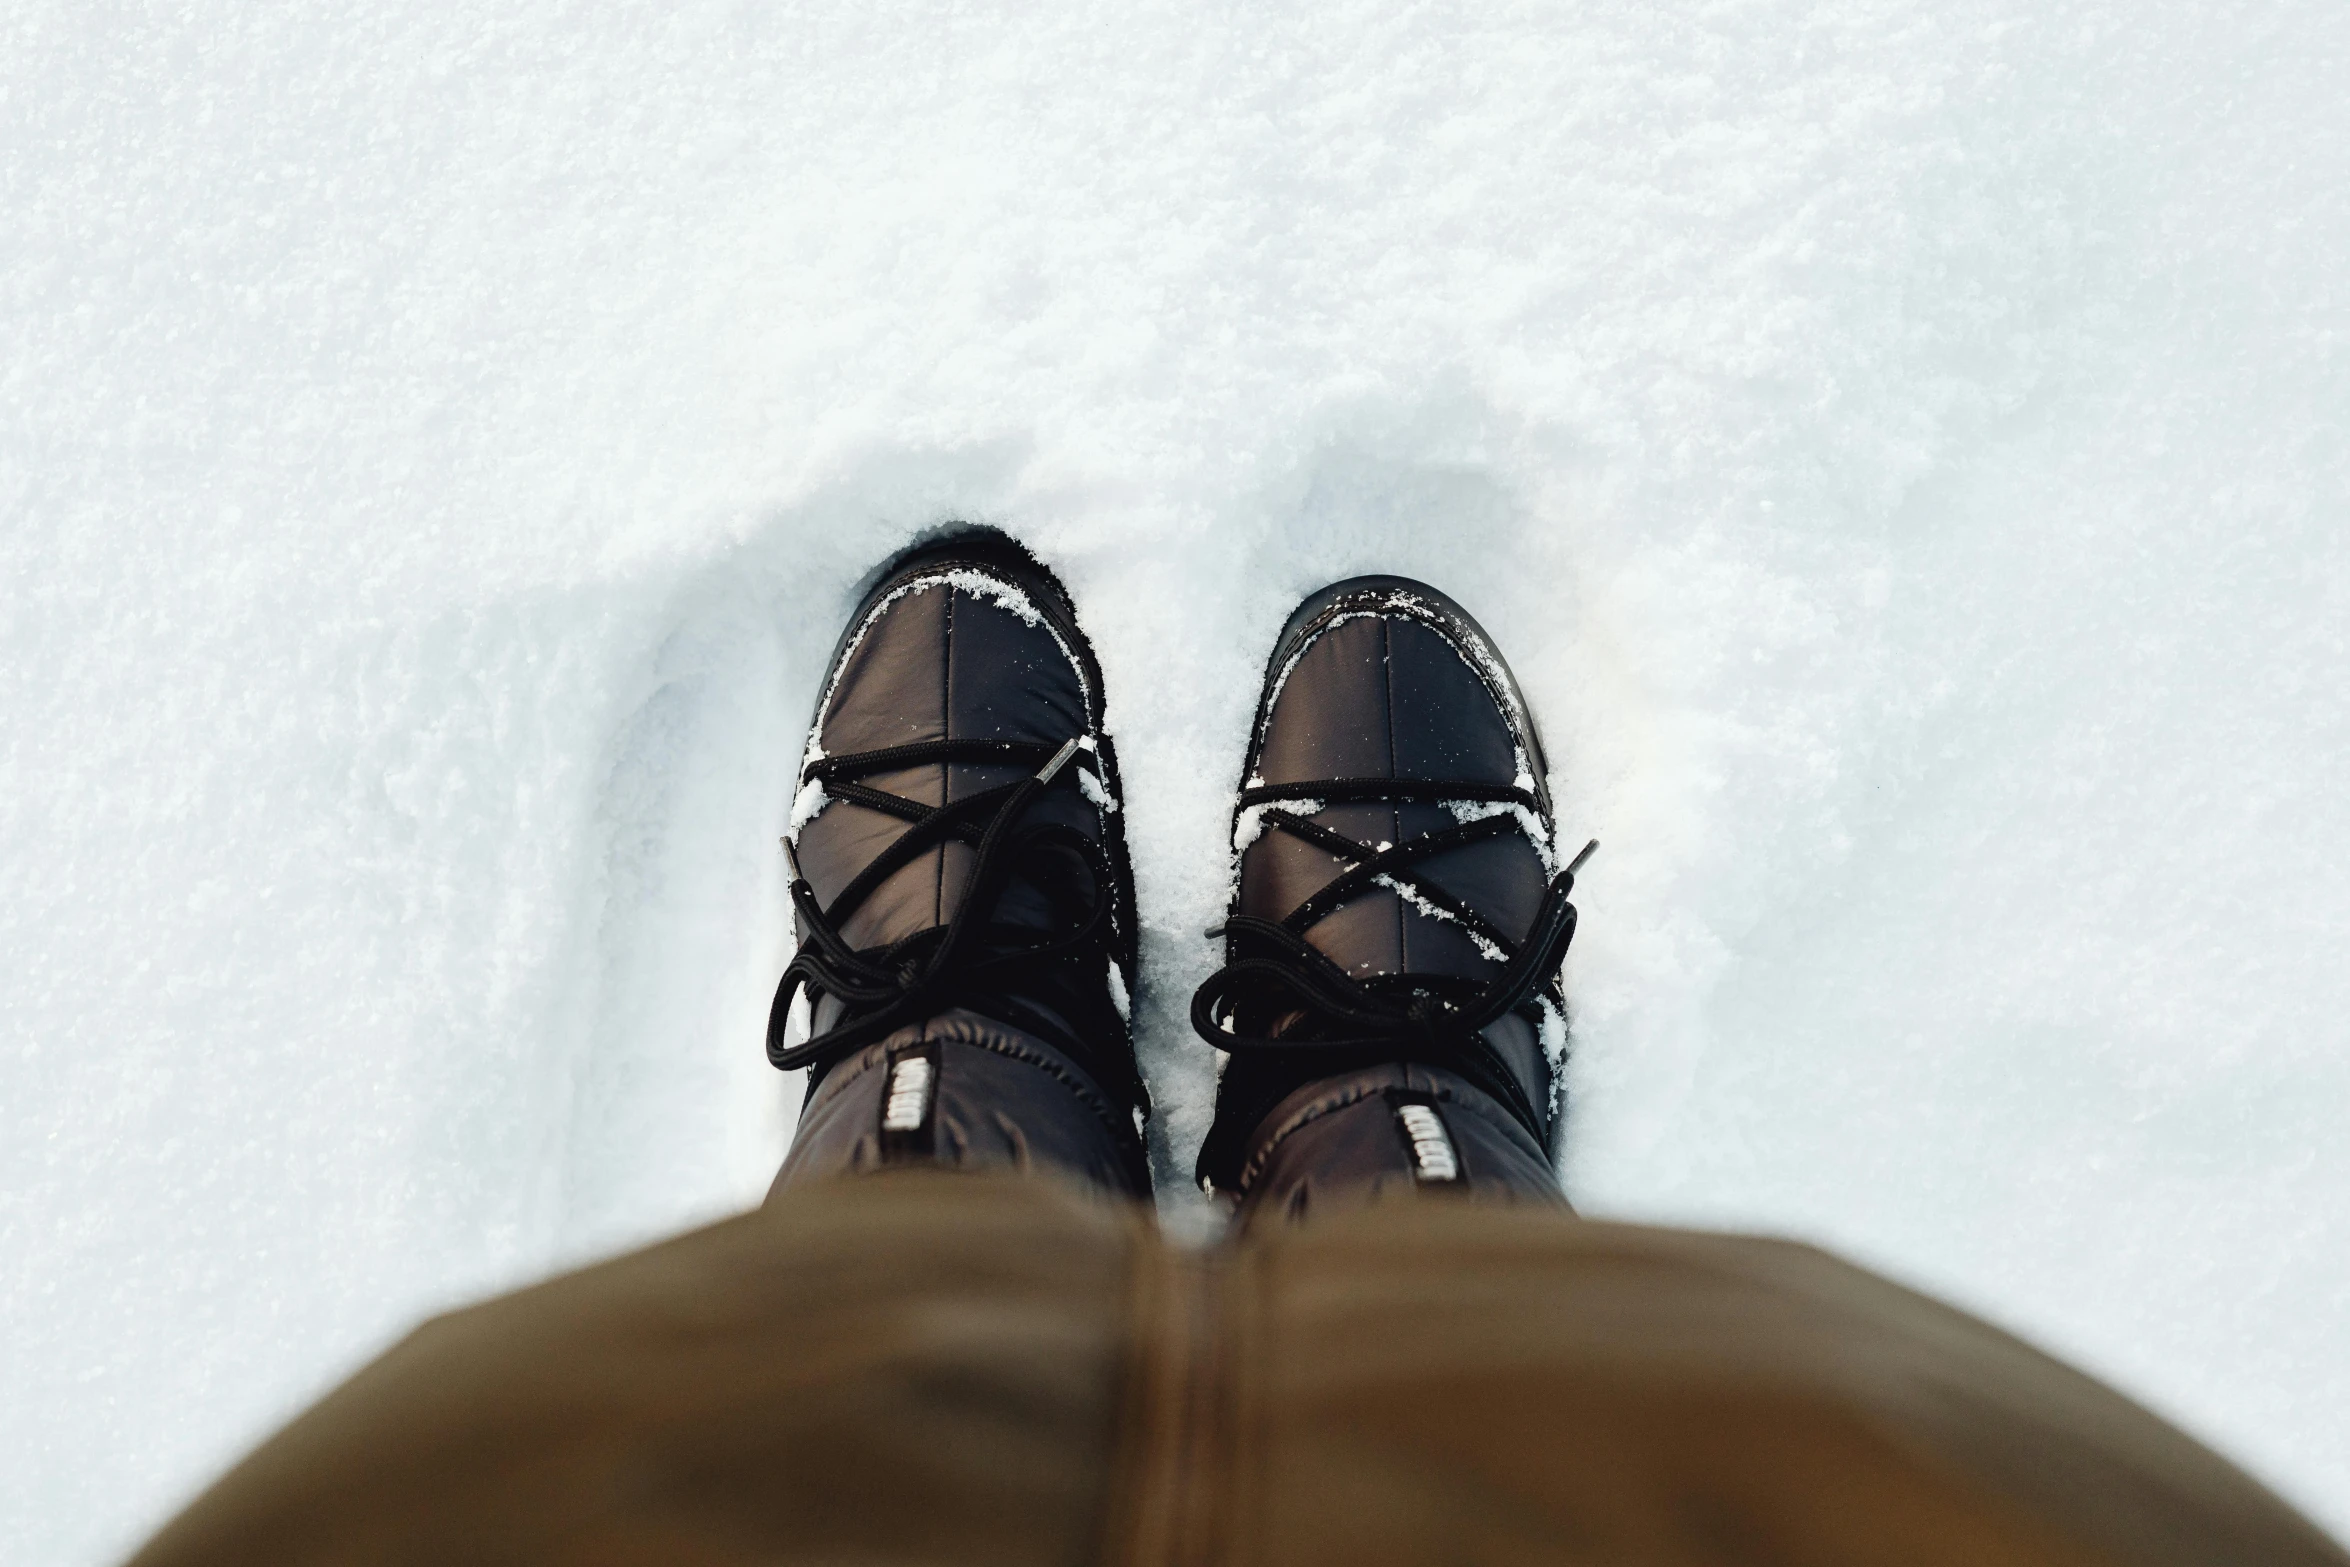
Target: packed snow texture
1899, 445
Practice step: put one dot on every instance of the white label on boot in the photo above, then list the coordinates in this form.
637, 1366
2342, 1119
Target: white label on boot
1432, 1155
909, 1095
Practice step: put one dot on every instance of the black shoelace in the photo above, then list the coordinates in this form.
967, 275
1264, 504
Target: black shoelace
1435, 1019
883, 989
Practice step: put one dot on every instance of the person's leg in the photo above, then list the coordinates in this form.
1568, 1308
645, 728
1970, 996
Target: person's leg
902, 1368
1430, 1380
965, 908
1390, 998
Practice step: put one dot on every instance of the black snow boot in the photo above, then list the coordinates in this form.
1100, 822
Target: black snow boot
961, 888
1390, 998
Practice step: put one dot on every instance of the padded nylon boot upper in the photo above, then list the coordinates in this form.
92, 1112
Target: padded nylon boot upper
969, 649
1375, 681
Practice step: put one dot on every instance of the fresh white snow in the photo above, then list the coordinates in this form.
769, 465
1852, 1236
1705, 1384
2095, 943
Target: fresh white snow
1899, 446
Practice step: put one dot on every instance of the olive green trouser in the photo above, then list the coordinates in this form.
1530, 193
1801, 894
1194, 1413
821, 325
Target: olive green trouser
923, 1367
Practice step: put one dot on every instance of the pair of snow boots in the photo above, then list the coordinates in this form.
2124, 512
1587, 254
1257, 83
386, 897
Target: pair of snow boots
1388, 1012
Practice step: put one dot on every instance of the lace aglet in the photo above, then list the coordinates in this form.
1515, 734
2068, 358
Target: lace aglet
1059, 761
1213, 932
1576, 863
791, 857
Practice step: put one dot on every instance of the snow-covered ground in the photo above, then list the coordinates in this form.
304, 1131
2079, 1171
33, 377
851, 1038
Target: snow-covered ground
1901, 445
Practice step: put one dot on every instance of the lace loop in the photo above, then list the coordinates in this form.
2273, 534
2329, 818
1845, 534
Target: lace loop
1435, 1018
1438, 1012
884, 988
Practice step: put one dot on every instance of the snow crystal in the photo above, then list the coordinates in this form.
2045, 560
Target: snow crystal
1091, 787
980, 585
807, 805
1544, 840
1419, 900
1248, 824
1554, 1047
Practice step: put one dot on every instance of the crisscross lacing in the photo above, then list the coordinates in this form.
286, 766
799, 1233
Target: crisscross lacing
885, 988
1432, 1018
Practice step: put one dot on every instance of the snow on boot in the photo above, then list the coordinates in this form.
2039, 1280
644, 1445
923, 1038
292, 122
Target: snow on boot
961, 887
1390, 999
